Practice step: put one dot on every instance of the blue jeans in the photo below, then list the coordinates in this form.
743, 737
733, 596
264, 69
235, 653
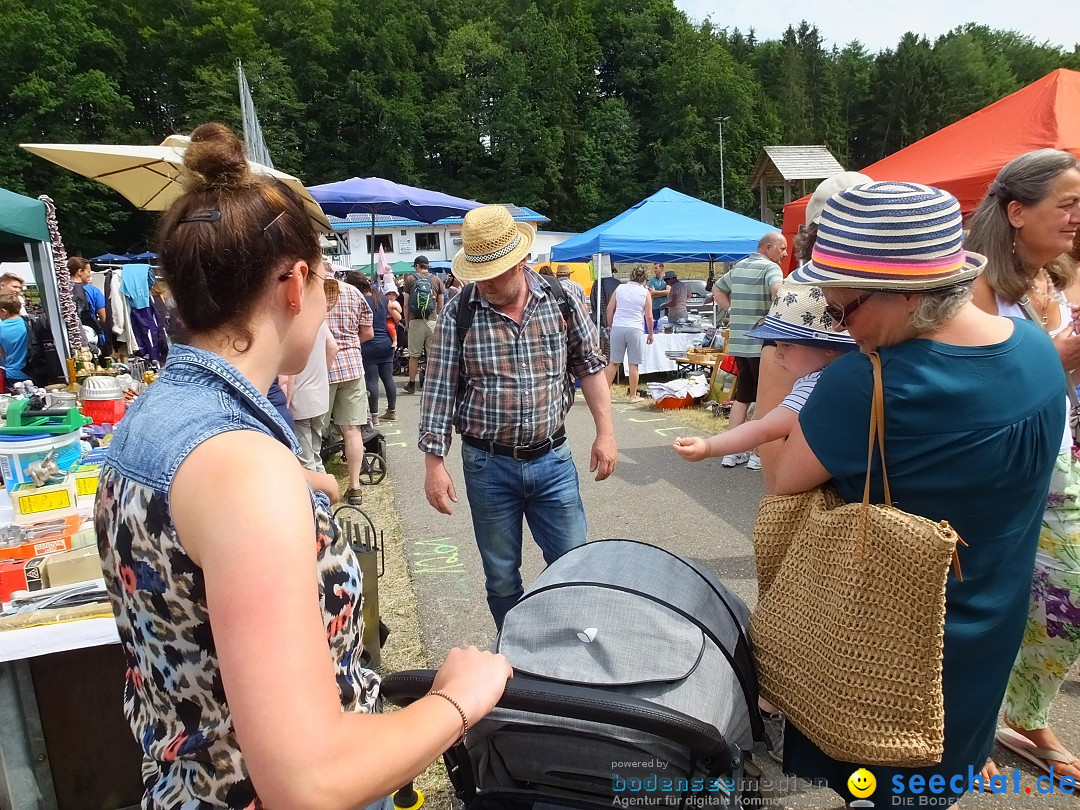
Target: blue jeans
501, 491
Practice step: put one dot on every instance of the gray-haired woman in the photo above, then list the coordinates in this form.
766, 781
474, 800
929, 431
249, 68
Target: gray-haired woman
1024, 225
890, 263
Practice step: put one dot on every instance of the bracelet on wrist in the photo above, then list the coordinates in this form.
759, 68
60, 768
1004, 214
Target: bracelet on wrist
461, 711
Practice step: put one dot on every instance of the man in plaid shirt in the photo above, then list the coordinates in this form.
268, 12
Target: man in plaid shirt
350, 321
507, 388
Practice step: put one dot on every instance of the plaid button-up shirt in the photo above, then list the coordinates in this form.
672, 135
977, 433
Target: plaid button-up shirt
509, 383
345, 318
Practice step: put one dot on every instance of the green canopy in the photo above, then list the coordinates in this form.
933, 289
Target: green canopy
399, 268
22, 219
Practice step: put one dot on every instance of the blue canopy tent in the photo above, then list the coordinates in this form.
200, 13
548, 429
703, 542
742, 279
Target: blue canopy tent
668, 227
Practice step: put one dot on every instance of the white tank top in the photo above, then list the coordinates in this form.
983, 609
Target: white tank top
630, 306
1007, 310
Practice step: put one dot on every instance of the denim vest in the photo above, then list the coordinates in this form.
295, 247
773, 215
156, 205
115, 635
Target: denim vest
198, 395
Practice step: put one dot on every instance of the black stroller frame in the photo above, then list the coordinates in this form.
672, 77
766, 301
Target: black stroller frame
373, 470
722, 764
633, 685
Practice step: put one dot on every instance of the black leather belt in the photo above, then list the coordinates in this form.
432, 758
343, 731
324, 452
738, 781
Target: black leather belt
520, 452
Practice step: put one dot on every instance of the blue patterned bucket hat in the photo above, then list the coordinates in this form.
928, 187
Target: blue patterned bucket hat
798, 315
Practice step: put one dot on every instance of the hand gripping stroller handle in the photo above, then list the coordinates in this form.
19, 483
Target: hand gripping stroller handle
536, 696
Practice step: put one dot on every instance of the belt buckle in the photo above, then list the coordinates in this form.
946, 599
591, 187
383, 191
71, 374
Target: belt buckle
525, 448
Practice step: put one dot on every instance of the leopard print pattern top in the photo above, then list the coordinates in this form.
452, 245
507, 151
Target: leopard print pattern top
173, 695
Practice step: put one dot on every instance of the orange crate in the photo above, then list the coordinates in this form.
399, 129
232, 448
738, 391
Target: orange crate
674, 403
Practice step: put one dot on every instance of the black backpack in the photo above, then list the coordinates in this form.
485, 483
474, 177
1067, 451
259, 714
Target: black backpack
422, 297
43, 364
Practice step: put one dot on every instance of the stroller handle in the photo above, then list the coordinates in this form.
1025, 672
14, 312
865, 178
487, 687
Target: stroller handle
536, 696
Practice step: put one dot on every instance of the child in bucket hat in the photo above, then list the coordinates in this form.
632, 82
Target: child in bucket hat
805, 344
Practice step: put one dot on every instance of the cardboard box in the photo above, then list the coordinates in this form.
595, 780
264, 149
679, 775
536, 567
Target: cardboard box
33, 503
21, 575
57, 534
77, 565
86, 481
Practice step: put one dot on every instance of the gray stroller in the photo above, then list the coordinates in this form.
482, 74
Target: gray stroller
633, 684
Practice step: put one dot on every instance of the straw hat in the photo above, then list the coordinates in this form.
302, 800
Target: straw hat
828, 187
798, 315
890, 236
563, 271
491, 243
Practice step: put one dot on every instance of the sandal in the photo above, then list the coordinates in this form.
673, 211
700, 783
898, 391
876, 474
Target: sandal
1042, 758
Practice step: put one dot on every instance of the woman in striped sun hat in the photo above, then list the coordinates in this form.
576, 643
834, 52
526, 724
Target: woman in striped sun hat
890, 261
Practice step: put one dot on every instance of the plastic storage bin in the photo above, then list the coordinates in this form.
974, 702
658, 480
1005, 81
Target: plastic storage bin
19, 452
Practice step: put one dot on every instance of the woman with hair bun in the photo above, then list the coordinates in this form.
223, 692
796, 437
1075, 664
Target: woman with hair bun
237, 599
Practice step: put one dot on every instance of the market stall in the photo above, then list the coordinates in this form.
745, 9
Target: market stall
65, 741
656, 357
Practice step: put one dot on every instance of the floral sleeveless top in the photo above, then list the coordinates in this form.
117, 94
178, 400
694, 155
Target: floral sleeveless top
173, 695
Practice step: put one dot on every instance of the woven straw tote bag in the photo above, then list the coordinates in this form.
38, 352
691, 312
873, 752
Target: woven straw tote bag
850, 623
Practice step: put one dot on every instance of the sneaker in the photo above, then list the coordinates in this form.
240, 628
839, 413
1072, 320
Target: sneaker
389, 415
410, 387
774, 734
735, 459
374, 420
354, 497
753, 463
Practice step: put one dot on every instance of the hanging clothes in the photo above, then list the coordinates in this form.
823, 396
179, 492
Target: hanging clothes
149, 330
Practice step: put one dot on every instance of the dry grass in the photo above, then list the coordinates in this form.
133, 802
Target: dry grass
397, 606
695, 415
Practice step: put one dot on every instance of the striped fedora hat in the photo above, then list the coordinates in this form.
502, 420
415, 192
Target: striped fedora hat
890, 236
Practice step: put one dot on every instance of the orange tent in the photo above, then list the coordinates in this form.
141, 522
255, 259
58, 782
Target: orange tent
964, 157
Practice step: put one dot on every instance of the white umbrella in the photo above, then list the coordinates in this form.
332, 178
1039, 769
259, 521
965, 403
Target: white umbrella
149, 176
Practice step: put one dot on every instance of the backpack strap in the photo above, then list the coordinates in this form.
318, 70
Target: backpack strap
467, 308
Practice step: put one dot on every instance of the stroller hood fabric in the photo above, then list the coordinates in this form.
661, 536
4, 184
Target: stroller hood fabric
633, 620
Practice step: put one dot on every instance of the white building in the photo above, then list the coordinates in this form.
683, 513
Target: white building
402, 240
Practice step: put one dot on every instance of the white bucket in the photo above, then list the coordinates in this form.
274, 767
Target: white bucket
17, 453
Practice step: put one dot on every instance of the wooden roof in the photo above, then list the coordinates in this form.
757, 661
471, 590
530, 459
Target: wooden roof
781, 163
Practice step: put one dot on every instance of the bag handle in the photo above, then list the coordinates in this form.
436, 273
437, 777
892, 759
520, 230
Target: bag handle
1070, 386
877, 434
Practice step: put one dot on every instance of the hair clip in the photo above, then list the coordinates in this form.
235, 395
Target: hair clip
275, 219
206, 215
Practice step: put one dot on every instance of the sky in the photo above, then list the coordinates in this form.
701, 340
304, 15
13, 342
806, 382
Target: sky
879, 24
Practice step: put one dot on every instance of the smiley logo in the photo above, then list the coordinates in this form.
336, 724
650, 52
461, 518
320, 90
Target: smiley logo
862, 783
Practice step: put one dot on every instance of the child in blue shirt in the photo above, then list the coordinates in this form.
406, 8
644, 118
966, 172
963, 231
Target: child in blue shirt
14, 340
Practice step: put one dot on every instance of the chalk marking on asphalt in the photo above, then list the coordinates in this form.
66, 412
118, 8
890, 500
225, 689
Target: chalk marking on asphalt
444, 557
664, 431
654, 419
397, 444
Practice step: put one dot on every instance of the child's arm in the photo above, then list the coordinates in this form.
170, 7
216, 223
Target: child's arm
776, 424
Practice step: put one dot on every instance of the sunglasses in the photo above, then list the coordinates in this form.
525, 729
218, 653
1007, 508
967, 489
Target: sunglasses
838, 314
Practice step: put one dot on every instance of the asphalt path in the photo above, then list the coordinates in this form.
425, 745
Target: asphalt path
702, 511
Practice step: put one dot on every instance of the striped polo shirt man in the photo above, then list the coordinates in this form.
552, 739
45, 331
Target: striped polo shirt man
750, 286
747, 291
